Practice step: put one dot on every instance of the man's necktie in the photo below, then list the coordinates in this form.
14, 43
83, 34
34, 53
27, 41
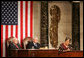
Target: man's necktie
16, 46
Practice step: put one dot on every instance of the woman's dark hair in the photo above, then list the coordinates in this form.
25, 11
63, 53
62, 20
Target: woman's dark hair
67, 38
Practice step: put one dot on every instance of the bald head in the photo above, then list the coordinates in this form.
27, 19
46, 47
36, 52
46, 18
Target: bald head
35, 40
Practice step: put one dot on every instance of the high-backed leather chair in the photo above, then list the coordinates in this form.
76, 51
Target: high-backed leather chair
25, 41
9, 40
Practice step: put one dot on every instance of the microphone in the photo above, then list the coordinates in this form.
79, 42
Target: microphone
70, 46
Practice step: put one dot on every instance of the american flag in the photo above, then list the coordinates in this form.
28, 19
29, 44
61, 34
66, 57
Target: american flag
16, 20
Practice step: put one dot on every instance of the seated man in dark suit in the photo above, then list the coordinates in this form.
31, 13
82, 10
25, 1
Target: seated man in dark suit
33, 44
14, 44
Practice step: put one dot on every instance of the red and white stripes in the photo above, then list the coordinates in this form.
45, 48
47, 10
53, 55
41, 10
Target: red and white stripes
24, 27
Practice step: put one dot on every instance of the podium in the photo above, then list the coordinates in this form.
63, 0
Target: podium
71, 54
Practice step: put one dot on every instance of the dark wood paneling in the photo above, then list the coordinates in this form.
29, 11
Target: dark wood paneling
76, 25
44, 53
44, 24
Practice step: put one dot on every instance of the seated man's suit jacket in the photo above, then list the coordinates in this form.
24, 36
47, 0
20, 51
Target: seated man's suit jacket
13, 46
31, 44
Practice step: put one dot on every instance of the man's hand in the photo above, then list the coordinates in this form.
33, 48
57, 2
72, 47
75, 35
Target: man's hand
68, 49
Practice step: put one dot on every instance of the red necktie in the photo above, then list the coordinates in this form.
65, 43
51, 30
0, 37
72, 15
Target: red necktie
16, 46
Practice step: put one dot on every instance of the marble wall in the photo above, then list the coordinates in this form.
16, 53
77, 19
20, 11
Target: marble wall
36, 19
81, 25
65, 24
